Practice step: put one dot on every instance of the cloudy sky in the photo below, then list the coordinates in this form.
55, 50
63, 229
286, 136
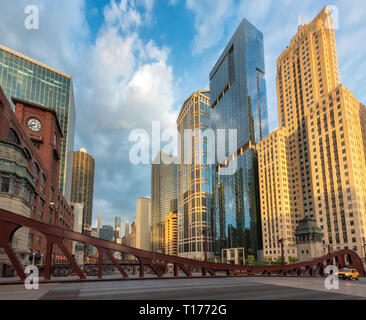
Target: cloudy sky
136, 61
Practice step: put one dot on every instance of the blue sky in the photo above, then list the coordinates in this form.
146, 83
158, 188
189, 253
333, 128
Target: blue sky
135, 61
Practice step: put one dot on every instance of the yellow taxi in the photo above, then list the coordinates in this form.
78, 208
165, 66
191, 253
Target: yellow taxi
348, 274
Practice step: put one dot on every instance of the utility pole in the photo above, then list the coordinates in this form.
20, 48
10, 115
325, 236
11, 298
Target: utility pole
204, 233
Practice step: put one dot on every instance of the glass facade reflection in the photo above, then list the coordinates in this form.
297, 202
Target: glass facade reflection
27, 79
194, 189
238, 101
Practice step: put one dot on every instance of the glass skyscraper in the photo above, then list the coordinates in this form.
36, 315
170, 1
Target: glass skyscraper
238, 101
24, 78
194, 189
163, 191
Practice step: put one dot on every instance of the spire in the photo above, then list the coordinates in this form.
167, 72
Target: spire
299, 21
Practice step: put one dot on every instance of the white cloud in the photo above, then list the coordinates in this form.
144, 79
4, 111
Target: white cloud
209, 22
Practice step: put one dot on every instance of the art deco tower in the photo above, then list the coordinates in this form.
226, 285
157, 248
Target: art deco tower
322, 133
83, 185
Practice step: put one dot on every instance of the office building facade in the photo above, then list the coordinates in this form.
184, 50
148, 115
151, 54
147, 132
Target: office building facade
143, 224
194, 183
239, 102
163, 190
278, 220
324, 128
83, 185
26, 79
29, 166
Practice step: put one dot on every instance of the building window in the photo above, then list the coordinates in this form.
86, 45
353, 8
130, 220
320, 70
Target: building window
5, 184
13, 136
35, 168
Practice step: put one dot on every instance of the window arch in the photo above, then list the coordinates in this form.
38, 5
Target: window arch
36, 168
13, 136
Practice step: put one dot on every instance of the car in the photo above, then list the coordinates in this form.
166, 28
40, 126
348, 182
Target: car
348, 274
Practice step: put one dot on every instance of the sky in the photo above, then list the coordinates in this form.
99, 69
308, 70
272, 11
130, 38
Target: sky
136, 61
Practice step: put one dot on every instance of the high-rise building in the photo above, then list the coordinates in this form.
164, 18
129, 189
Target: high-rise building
83, 185
323, 127
143, 224
106, 233
194, 188
127, 228
171, 233
163, 190
117, 227
336, 133
239, 102
77, 247
306, 71
99, 223
26, 79
278, 221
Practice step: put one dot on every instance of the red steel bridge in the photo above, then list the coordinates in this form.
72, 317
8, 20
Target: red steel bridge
11, 222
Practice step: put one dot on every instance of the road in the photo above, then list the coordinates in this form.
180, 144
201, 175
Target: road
192, 289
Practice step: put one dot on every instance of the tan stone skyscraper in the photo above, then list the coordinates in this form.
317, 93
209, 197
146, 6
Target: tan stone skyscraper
83, 185
325, 139
306, 71
278, 220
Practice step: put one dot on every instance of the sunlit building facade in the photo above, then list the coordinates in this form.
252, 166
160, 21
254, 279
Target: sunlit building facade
239, 102
26, 79
278, 221
163, 191
324, 126
83, 185
194, 185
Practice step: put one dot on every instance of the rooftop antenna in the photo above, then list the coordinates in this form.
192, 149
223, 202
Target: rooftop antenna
299, 21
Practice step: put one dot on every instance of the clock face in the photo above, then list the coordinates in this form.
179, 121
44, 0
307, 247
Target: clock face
34, 125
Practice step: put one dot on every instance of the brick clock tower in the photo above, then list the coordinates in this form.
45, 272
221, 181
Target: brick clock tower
44, 130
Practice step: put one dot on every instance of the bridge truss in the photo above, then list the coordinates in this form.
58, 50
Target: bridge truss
11, 222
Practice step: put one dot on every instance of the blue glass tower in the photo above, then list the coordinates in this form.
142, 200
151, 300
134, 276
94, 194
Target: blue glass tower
238, 101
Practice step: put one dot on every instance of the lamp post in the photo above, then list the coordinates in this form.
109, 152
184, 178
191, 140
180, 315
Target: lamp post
364, 246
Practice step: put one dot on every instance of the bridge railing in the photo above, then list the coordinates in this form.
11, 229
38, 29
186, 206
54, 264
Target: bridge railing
11, 222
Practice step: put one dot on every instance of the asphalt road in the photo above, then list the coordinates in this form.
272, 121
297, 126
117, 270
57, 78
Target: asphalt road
192, 289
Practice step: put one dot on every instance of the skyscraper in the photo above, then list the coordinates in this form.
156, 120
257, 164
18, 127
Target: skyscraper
239, 102
194, 189
163, 190
323, 125
106, 233
278, 220
143, 224
306, 71
99, 223
26, 79
127, 228
117, 227
83, 185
